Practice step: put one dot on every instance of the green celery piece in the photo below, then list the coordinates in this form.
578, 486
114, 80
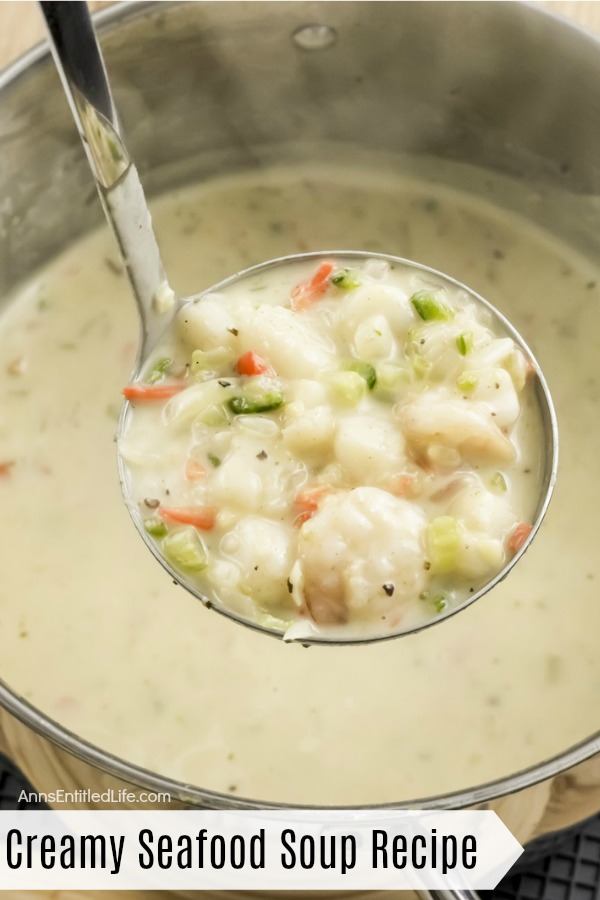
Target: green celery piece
365, 370
155, 527
345, 279
464, 342
348, 387
467, 382
443, 544
185, 550
498, 483
159, 370
430, 308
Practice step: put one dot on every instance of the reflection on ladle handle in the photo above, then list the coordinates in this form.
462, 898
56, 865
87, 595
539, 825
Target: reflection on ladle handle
81, 68
447, 895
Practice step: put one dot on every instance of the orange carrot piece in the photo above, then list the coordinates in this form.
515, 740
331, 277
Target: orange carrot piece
147, 392
305, 293
251, 363
518, 536
6, 467
307, 502
194, 471
202, 517
403, 486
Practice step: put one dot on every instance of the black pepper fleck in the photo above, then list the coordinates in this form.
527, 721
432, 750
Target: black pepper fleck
290, 586
388, 588
262, 454
233, 331
151, 502
225, 383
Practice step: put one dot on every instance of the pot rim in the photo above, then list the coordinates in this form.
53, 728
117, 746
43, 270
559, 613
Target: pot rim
141, 777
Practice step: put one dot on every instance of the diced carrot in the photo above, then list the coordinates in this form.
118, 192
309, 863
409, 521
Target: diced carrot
307, 502
194, 471
6, 467
147, 392
518, 536
251, 363
403, 486
202, 517
305, 293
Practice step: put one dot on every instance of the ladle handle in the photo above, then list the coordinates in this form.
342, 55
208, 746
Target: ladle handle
83, 75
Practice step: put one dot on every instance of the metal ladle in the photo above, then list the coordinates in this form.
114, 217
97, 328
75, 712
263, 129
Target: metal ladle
81, 68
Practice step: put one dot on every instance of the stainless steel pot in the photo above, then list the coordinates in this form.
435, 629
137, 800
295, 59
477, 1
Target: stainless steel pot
502, 86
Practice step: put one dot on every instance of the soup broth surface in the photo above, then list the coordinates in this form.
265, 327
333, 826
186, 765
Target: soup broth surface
93, 631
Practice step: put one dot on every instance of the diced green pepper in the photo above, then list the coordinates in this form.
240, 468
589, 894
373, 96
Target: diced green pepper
243, 405
214, 460
345, 279
185, 550
365, 370
155, 527
464, 342
430, 308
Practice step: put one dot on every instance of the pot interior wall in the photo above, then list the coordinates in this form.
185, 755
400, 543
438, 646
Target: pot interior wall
208, 87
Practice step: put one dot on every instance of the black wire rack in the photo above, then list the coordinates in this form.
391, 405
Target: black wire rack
564, 866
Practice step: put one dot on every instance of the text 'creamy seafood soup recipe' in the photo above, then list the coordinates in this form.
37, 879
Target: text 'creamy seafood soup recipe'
343, 441
134, 665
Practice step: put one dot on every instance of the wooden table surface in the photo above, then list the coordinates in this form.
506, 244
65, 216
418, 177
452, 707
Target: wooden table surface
20, 28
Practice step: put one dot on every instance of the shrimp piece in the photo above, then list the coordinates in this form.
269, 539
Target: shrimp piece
362, 556
368, 448
261, 550
438, 419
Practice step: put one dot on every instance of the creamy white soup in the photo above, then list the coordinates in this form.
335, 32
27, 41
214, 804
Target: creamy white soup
94, 632
335, 446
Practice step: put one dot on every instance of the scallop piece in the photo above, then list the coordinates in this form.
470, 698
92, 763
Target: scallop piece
207, 323
182, 409
480, 510
255, 476
310, 434
307, 392
368, 448
286, 340
361, 556
439, 418
495, 388
376, 299
438, 344
262, 551
373, 339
